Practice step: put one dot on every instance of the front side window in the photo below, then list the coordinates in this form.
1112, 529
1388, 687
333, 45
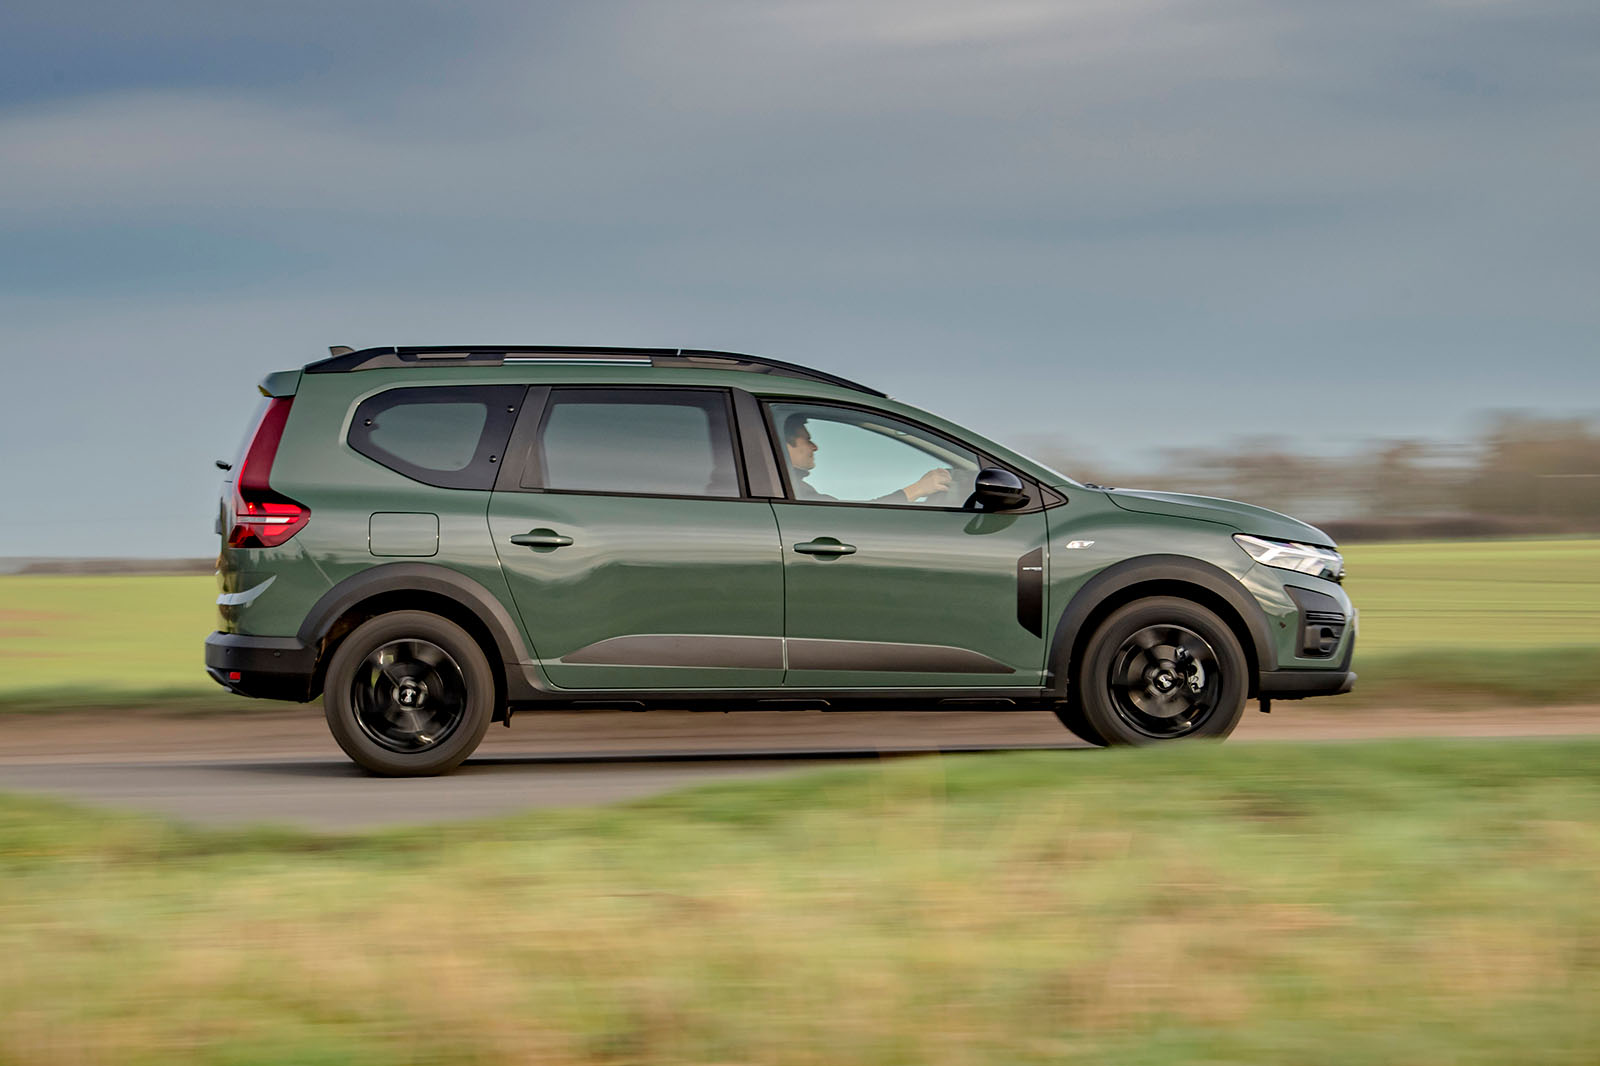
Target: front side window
844, 455
445, 435
653, 442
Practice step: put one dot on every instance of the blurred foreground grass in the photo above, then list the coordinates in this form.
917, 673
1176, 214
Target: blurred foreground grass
1414, 902
1443, 621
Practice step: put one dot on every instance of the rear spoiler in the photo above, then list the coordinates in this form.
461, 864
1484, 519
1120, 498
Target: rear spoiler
282, 383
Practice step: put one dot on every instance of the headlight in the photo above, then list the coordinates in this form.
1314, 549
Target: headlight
1291, 555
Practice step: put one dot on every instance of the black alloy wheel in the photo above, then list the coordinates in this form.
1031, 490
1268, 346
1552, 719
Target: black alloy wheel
1161, 669
1164, 681
409, 694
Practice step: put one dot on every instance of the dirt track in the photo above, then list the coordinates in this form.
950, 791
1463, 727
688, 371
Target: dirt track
282, 766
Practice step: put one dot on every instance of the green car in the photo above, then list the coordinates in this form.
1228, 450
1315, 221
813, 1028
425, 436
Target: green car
433, 538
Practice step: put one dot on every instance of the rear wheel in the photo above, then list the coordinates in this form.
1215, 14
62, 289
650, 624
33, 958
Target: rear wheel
408, 694
1162, 669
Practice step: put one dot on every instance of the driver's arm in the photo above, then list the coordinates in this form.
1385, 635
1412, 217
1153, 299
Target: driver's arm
937, 480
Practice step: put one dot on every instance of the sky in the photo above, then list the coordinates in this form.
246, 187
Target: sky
1117, 226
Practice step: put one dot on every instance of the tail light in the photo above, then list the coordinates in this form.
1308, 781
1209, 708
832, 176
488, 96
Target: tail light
263, 518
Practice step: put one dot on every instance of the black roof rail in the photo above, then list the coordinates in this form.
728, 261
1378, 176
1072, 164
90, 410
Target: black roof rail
712, 360
497, 355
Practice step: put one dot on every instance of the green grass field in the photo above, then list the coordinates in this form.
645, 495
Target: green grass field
1446, 622
106, 641
1513, 595
1405, 903
1517, 620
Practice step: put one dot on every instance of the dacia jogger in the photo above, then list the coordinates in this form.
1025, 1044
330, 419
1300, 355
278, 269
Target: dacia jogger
431, 539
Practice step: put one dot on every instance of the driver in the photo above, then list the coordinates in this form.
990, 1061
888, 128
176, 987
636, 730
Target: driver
803, 459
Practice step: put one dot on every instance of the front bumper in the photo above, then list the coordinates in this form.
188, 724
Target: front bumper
272, 668
1298, 684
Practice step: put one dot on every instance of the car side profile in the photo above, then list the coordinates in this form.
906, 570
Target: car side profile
432, 539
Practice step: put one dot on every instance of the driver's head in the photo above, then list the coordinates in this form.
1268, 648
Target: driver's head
798, 443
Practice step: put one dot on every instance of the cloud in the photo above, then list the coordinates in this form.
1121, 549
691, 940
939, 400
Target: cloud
923, 23
1174, 154
1397, 194
896, 113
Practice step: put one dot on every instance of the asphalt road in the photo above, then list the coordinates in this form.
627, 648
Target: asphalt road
330, 795
282, 767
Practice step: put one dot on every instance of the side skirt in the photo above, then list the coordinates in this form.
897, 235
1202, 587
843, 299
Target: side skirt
1001, 699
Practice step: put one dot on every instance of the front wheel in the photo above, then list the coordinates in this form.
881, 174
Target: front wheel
1162, 669
1070, 714
408, 694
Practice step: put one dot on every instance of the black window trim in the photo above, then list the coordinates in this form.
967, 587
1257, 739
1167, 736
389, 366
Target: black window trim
479, 475
521, 451
1039, 498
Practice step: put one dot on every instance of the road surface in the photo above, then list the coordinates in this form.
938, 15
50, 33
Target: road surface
281, 766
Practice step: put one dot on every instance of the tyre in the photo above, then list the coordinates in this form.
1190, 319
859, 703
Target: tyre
408, 694
1070, 714
1161, 669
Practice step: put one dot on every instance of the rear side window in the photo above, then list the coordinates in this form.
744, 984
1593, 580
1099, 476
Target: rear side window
654, 442
451, 436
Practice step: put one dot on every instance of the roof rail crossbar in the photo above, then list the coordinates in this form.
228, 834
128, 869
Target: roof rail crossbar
497, 355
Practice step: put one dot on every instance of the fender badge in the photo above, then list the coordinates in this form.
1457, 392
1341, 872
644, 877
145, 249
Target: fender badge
1073, 545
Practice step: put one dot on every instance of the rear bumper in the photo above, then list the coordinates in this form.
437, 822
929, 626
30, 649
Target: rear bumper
273, 668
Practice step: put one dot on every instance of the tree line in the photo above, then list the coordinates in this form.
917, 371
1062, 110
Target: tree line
1521, 474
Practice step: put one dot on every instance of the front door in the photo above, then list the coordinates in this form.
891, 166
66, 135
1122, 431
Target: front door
890, 582
635, 558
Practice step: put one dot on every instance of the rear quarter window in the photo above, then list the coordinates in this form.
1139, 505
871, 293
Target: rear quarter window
450, 436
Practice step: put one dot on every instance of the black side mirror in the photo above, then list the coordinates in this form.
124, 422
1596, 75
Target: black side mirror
995, 489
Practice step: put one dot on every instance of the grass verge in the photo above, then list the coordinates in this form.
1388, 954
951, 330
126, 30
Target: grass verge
1450, 623
1414, 902
1474, 678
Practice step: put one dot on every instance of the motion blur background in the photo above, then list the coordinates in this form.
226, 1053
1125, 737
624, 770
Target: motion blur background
1131, 235
1340, 259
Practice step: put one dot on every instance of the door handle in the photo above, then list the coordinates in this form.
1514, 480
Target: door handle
824, 546
541, 538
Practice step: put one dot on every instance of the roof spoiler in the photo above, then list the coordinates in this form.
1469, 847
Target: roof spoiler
282, 383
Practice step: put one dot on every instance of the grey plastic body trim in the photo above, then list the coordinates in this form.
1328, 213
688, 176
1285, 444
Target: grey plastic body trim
682, 649
772, 653
429, 577
869, 655
1172, 569
1300, 684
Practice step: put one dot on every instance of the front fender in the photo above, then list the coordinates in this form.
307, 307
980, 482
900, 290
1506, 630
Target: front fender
1166, 575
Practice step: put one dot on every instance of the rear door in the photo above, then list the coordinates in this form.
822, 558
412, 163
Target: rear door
635, 554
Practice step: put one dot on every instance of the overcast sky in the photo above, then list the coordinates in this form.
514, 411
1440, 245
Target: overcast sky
1129, 225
